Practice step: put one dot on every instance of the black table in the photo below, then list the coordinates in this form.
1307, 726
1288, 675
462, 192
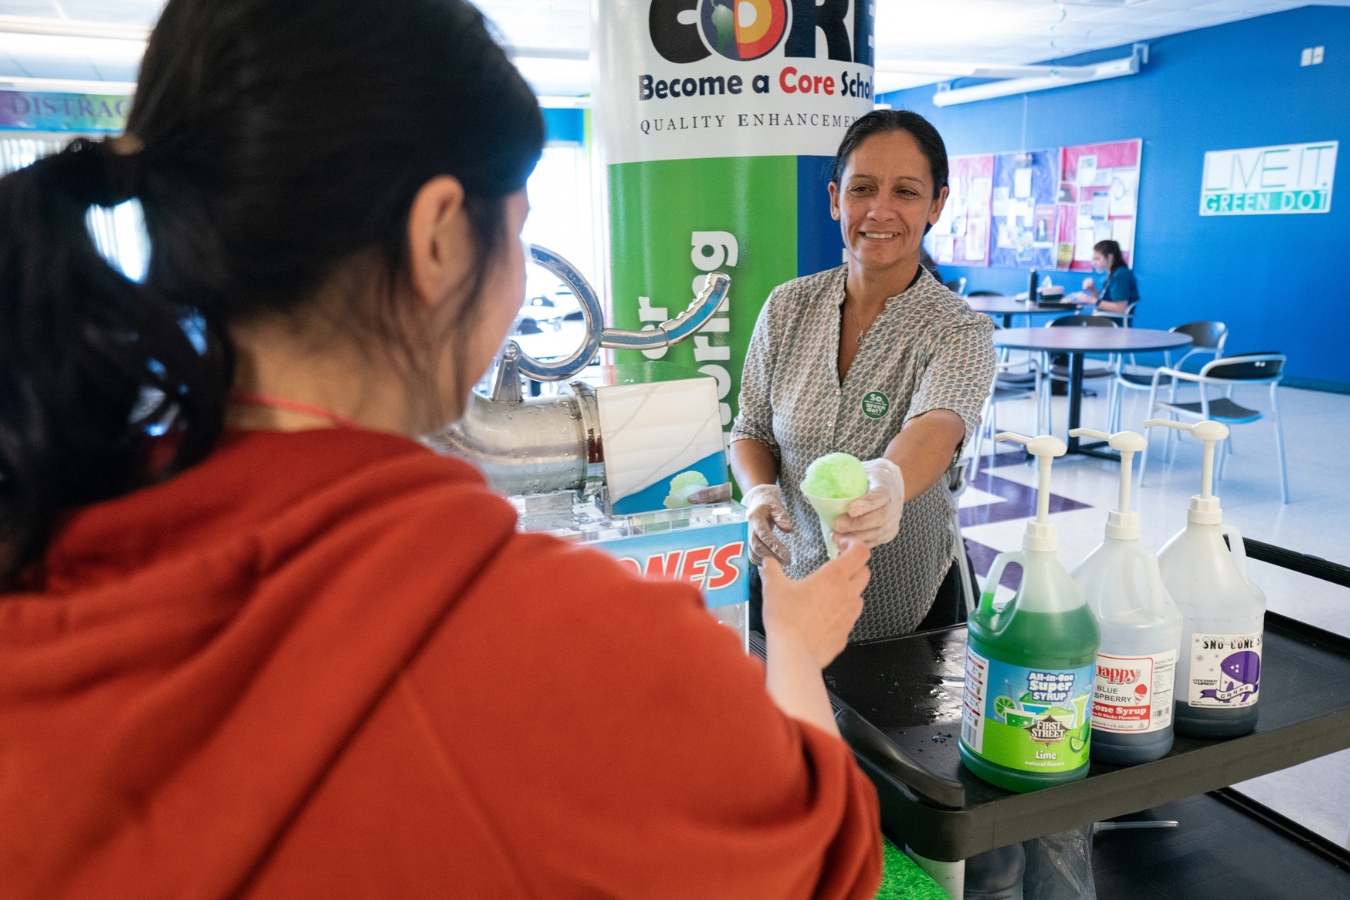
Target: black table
1007, 307
1075, 342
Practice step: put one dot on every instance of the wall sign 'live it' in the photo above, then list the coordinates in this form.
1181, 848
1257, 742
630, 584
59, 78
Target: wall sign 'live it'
1259, 181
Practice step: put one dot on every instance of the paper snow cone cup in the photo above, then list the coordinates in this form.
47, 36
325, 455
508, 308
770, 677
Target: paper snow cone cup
828, 509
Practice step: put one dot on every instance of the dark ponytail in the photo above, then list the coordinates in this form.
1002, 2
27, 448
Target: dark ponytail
270, 142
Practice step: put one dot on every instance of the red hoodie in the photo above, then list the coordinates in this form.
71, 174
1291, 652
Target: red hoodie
325, 665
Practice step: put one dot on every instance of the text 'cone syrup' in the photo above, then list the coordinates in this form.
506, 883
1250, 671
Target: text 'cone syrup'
1027, 714
1140, 627
1218, 680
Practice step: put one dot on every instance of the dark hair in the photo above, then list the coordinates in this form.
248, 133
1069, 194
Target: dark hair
270, 142
879, 121
1113, 248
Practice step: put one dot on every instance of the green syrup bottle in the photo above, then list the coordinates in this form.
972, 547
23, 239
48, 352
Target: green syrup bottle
1030, 666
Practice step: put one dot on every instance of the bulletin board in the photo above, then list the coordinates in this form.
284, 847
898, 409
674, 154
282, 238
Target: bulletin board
1098, 200
1026, 185
961, 236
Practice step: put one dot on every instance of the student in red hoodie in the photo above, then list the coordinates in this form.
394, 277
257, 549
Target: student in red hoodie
255, 641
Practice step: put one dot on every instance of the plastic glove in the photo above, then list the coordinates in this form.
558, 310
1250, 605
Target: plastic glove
874, 518
765, 509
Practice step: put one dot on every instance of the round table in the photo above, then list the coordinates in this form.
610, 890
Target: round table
1007, 307
1078, 341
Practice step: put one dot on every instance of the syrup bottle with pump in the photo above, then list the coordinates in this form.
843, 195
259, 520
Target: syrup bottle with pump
1026, 717
1141, 631
1223, 613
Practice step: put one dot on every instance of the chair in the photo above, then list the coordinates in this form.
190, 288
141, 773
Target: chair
984, 294
1006, 387
1264, 367
957, 286
1054, 372
1206, 337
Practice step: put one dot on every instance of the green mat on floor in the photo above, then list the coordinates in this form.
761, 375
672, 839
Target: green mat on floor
901, 879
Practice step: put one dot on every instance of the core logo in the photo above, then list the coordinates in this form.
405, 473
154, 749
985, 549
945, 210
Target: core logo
708, 568
686, 31
743, 29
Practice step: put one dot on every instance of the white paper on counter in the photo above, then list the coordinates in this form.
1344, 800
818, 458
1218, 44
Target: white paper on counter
1124, 192
1087, 170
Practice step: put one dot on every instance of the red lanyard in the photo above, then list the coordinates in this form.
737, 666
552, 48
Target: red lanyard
295, 406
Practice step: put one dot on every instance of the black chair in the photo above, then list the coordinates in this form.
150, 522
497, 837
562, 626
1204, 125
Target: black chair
1206, 337
984, 294
1262, 367
1057, 369
957, 286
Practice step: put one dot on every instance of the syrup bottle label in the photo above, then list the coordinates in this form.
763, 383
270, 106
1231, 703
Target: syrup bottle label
1134, 693
1225, 670
1029, 719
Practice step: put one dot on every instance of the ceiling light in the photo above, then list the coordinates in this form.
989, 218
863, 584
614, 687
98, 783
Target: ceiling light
1114, 68
69, 86
69, 28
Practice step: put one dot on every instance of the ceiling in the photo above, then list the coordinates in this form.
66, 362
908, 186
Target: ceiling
987, 31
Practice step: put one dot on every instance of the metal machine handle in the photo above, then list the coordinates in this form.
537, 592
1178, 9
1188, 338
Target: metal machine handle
597, 336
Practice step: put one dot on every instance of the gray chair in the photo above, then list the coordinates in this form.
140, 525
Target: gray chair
1056, 372
1264, 367
1206, 338
1008, 385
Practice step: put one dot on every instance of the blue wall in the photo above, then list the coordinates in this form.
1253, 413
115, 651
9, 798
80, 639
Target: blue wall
1279, 282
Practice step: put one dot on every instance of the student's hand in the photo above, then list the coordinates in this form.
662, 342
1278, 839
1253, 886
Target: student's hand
874, 518
1089, 285
765, 510
820, 610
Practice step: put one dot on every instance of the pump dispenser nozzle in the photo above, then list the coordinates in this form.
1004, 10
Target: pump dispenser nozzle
1040, 533
1122, 523
1204, 505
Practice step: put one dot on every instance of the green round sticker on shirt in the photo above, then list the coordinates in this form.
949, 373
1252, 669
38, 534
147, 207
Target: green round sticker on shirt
875, 404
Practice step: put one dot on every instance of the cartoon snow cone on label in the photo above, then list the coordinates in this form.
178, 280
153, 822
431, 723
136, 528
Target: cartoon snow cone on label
1244, 668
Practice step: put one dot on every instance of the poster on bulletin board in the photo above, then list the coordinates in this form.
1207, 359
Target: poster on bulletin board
1098, 200
1025, 192
961, 236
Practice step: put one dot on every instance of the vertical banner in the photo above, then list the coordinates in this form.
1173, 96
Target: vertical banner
718, 121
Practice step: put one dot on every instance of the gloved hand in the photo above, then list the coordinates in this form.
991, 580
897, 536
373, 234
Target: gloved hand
874, 518
765, 509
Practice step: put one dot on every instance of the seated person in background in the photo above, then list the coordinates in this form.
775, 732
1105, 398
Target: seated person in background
1120, 289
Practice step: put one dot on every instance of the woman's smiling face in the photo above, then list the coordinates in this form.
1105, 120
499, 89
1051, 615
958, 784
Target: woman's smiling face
886, 200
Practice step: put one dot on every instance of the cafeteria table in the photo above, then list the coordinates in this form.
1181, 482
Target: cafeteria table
1076, 342
1007, 307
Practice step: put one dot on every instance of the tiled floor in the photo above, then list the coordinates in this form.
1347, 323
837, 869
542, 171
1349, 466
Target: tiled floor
1317, 437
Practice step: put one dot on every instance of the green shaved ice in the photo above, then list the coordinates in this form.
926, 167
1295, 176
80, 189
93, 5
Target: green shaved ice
835, 476
685, 479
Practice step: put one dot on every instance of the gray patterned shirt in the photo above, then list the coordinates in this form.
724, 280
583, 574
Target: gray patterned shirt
926, 350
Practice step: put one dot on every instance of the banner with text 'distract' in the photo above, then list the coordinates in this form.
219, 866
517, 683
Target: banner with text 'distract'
718, 121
